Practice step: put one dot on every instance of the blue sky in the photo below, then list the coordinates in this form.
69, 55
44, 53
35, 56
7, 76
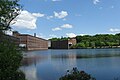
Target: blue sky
56, 18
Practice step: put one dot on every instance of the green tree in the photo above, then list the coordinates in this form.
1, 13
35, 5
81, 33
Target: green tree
92, 44
59, 39
100, 40
10, 57
9, 10
10, 60
118, 37
81, 45
87, 44
73, 47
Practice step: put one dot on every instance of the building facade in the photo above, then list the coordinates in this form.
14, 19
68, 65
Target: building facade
71, 41
59, 44
30, 42
64, 44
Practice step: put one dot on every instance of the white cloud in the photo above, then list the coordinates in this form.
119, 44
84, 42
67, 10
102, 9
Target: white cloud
41, 35
96, 1
50, 17
37, 14
82, 34
52, 35
61, 14
27, 20
66, 26
56, 29
114, 30
71, 35
9, 32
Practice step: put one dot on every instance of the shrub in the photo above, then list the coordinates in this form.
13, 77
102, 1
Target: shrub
74, 74
10, 61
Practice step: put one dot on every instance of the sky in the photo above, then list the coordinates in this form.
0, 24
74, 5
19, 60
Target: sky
68, 18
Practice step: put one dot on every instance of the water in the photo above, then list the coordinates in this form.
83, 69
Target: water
52, 64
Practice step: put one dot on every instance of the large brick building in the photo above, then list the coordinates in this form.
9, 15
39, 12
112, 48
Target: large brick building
63, 44
30, 42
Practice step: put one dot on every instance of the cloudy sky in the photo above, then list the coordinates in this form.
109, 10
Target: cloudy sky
56, 18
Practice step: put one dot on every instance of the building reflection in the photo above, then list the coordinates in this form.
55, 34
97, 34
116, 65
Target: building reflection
29, 66
30, 72
33, 60
72, 60
69, 60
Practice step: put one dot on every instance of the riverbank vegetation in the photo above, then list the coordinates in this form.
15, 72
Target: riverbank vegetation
95, 41
75, 74
98, 41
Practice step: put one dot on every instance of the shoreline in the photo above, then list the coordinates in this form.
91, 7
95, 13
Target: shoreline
113, 47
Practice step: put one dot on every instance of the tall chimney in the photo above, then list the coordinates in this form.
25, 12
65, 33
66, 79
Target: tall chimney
16, 33
34, 34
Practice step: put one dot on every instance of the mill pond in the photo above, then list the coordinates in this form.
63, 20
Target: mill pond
103, 64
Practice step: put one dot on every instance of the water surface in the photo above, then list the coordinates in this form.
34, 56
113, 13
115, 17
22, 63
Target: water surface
103, 64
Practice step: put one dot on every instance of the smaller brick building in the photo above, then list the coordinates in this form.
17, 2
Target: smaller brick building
30, 42
64, 44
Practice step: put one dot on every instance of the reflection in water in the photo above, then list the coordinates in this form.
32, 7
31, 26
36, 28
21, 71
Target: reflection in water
72, 61
69, 63
30, 72
29, 60
52, 64
29, 63
74, 55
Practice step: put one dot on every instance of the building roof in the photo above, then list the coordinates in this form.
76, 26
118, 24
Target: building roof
31, 36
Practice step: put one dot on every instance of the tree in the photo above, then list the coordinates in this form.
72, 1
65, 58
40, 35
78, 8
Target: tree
118, 37
10, 56
87, 44
81, 45
10, 60
9, 10
92, 44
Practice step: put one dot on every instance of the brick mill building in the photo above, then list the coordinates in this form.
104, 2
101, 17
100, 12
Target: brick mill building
63, 44
30, 42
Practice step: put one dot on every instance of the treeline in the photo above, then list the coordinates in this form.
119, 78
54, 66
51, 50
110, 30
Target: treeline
95, 41
59, 39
